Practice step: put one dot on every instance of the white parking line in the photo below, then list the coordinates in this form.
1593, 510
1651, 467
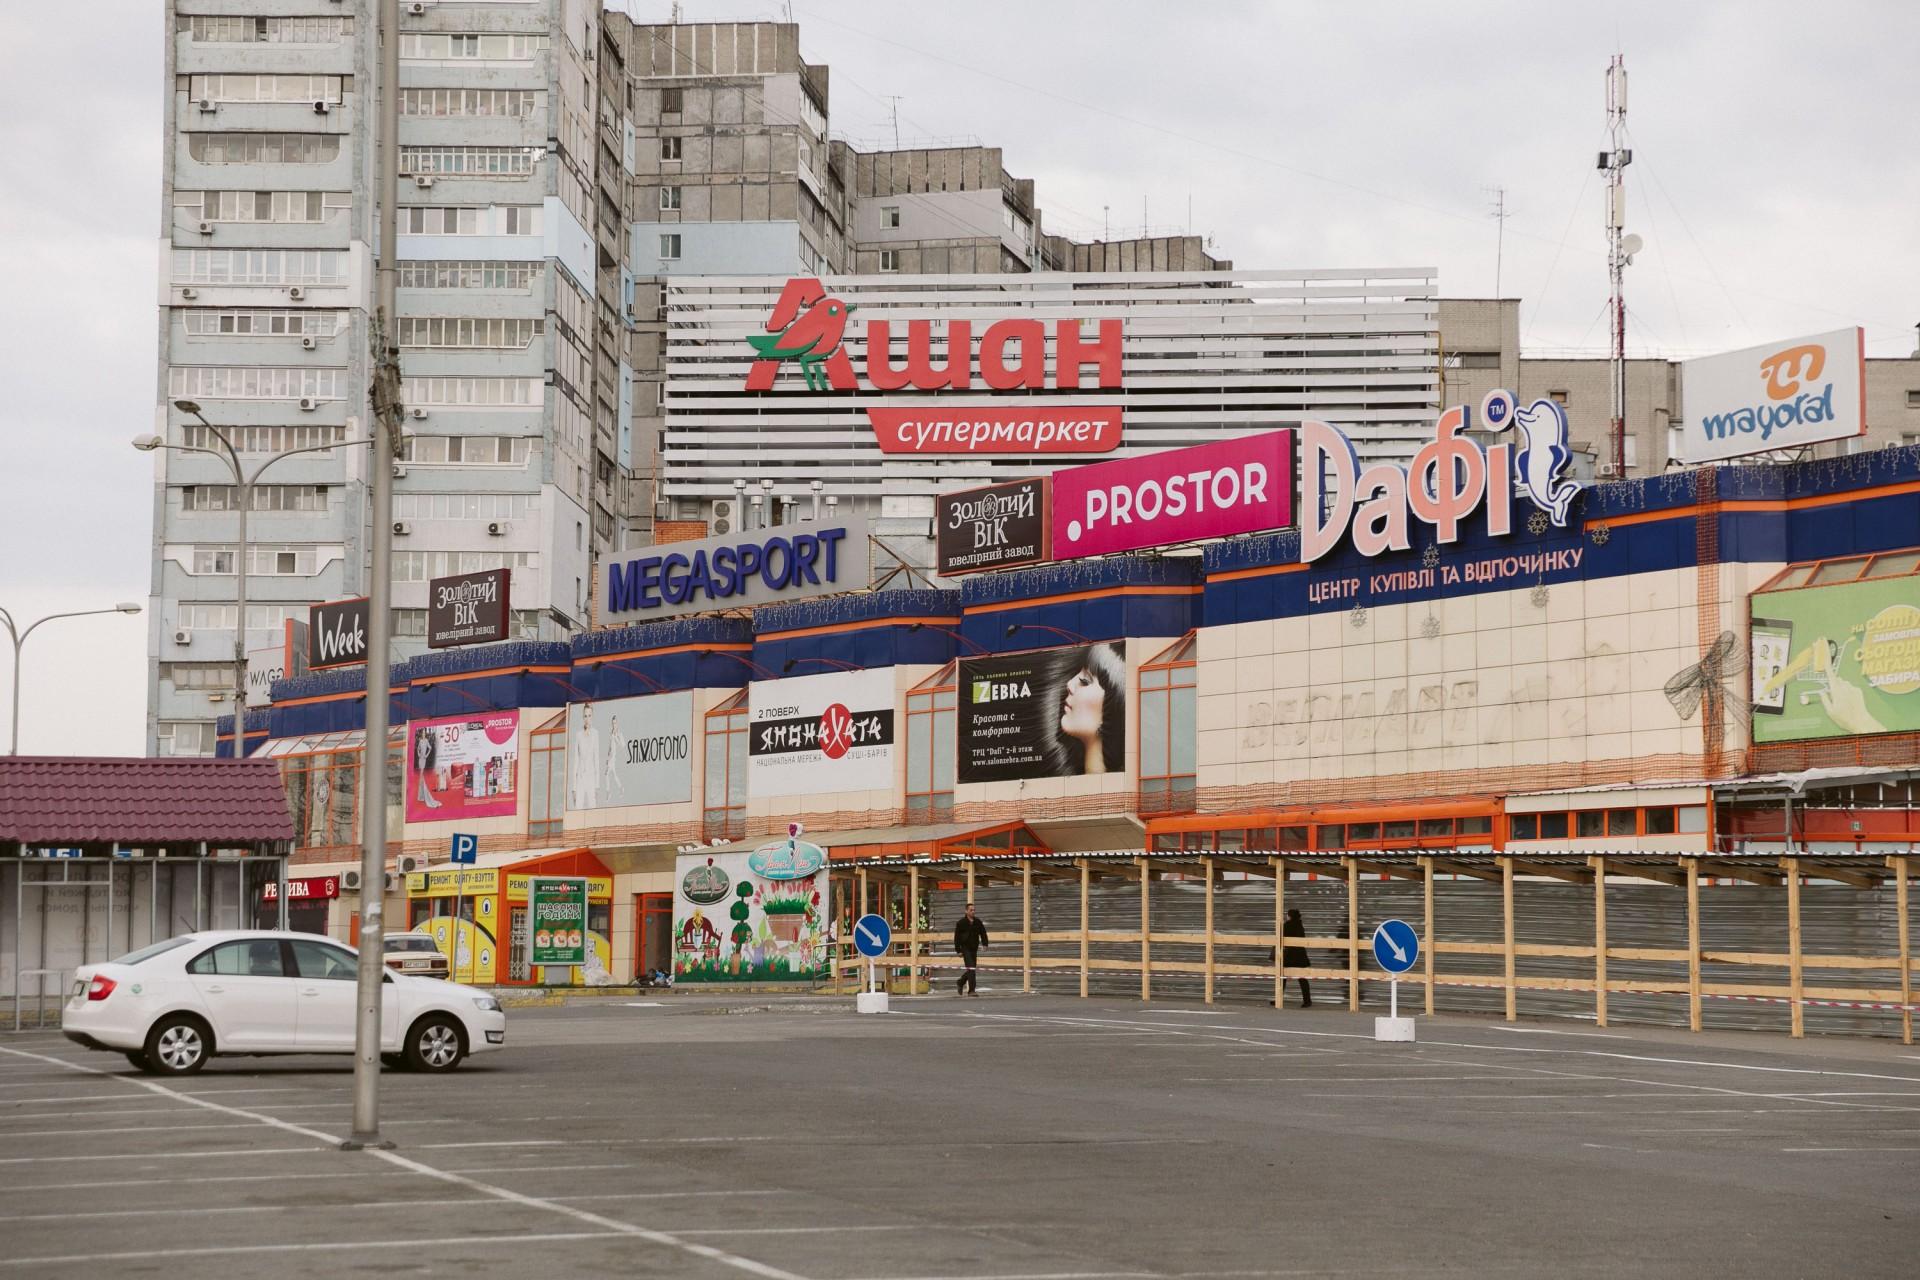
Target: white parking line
629, 1229
326, 1246
22, 1188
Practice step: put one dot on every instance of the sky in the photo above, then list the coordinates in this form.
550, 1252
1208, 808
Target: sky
1774, 182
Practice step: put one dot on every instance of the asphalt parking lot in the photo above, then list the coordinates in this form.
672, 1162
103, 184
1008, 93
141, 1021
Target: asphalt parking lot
1009, 1136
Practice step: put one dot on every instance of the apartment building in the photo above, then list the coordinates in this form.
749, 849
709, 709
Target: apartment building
506, 320
1480, 350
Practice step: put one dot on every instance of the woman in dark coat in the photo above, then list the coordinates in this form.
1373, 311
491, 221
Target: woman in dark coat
1294, 957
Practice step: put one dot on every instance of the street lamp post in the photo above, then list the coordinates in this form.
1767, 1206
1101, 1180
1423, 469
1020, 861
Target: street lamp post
243, 494
19, 637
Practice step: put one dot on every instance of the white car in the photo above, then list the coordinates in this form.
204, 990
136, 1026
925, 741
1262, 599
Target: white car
171, 1006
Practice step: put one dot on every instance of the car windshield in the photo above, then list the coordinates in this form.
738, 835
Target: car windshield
148, 953
411, 944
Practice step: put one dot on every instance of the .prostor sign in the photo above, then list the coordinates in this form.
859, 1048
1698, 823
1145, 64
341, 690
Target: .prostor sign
733, 571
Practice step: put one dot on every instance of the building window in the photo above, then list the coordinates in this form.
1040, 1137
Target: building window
1474, 360
930, 747
206, 29
473, 393
890, 215
212, 615
185, 737
262, 206
670, 149
725, 811
672, 101
470, 162
670, 248
465, 506
1168, 747
249, 382
300, 561
434, 46
669, 199
1913, 399
547, 778
469, 102
258, 323
266, 497
263, 148
467, 451
264, 439
470, 220
470, 332
425, 566
889, 259
259, 266
264, 88
1558, 397
468, 275
323, 792
197, 675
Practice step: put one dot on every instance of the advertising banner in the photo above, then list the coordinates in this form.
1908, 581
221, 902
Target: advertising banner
1836, 661
1057, 713
557, 921
828, 732
628, 751
733, 923
463, 767
1786, 394
1177, 495
963, 429
996, 527
336, 634
467, 608
303, 887
735, 570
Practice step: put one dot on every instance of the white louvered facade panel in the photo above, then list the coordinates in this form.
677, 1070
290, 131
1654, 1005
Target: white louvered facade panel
1206, 355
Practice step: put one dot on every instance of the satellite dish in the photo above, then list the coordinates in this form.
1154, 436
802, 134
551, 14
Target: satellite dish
1631, 244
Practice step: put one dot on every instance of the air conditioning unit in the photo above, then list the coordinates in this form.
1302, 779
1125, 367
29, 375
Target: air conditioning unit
206, 228
722, 517
321, 106
295, 292
206, 104
408, 863
400, 527
183, 635
1608, 469
309, 344
392, 881
399, 471
189, 294
423, 180
417, 8
499, 528
417, 414
350, 881
308, 404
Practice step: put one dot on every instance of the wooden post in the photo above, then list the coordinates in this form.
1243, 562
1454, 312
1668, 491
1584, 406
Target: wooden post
1599, 864
912, 921
1206, 865
1146, 922
1692, 866
1426, 925
1086, 876
1900, 869
1506, 915
1795, 975
1026, 924
1279, 928
1353, 933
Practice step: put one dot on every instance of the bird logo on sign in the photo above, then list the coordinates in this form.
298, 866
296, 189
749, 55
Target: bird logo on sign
807, 326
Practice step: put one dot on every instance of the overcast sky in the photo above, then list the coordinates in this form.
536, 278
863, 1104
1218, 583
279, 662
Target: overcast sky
1775, 182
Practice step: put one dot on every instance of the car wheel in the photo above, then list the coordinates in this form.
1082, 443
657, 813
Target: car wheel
138, 1057
178, 1045
435, 1044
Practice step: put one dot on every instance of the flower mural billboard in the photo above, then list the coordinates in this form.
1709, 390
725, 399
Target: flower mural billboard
750, 916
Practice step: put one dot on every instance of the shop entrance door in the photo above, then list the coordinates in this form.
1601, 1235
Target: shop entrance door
652, 933
517, 968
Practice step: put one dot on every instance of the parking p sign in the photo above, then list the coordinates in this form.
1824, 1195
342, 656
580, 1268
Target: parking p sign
466, 849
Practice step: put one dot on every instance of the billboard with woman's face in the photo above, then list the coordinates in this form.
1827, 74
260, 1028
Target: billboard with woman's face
1057, 713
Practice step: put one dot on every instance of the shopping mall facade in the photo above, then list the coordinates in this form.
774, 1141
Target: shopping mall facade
1483, 654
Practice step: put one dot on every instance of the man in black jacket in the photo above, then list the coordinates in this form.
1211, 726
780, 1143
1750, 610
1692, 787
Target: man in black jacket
969, 935
1296, 957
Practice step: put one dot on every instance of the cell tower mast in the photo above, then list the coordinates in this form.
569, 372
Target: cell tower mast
1620, 249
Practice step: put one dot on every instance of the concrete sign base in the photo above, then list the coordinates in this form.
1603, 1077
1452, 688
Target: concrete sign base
876, 1002
1393, 1029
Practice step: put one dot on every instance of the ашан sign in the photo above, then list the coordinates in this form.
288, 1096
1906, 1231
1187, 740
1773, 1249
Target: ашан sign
809, 328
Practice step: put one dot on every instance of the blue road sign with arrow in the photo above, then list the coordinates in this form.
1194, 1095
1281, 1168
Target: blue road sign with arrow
872, 935
1395, 946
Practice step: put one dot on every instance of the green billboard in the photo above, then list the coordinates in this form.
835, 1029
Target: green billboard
557, 920
1836, 661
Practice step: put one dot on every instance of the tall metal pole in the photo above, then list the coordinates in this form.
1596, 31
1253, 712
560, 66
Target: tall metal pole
243, 489
386, 425
1616, 161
